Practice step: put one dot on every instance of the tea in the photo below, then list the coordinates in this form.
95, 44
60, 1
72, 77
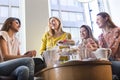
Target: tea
64, 58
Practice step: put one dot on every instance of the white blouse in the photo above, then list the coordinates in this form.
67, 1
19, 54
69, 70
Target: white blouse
12, 44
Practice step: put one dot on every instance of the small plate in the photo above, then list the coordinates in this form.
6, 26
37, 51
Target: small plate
73, 60
89, 59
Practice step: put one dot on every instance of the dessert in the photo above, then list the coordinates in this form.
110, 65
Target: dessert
67, 42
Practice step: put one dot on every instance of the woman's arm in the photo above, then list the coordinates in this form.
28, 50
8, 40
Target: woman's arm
8, 56
43, 44
115, 44
91, 44
4, 50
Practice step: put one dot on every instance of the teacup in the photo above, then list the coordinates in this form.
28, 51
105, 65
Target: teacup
103, 53
74, 57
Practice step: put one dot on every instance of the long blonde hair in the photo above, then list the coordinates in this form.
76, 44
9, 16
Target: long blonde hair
51, 31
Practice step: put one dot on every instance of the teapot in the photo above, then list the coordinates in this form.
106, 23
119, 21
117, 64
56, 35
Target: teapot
102, 53
51, 57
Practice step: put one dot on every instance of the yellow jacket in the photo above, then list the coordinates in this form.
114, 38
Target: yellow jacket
51, 42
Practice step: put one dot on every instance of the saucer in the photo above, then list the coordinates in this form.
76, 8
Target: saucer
89, 59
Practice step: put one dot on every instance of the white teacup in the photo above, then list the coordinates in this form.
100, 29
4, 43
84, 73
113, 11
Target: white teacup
74, 57
103, 53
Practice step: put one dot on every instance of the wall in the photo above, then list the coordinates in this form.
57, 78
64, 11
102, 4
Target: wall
36, 19
21, 34
112, 7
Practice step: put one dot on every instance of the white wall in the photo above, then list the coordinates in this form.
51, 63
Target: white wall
21, 34
36, 15
112, 7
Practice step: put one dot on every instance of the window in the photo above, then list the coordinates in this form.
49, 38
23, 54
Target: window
9, 8
101, 5
12, 8
4, 11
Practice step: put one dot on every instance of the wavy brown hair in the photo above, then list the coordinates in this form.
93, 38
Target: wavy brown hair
109, 21
89, 31
7, 24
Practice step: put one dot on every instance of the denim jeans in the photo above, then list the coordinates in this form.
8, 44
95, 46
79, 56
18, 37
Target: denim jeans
22, 68
116, 68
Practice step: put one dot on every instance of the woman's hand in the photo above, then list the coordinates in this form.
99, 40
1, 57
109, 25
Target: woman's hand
31, 53
91, 44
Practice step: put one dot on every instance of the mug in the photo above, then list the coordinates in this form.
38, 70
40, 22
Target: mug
74, 57
102, 53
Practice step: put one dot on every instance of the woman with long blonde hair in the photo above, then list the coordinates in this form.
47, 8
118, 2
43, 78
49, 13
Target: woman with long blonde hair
53, 35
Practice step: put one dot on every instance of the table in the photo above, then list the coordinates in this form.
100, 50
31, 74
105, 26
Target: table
78, 70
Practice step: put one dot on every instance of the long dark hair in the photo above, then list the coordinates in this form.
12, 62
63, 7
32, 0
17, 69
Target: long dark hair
89, 31
109, 21
8, 22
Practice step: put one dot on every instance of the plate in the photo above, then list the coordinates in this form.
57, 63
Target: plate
72, 60
89, 59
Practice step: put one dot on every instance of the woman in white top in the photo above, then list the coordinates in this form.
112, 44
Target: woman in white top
9, 49
9, 43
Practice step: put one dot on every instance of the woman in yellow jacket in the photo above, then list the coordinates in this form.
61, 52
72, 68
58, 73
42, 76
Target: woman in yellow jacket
55, 34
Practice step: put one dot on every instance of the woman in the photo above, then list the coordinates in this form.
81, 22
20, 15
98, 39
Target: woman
9, 43
86, 37
54, 34
111, 35
110, 38
22, 68
9, 47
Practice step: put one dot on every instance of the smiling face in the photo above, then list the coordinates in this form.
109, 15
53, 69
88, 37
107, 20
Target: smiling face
101, 22
83, 33
54, 23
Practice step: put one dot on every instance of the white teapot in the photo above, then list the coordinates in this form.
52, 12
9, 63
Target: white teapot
103, 53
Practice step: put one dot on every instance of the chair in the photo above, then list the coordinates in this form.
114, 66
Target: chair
7, 78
